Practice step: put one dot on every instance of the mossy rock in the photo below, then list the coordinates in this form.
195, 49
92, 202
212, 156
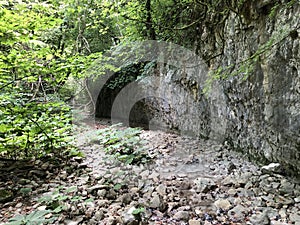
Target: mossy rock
5, 195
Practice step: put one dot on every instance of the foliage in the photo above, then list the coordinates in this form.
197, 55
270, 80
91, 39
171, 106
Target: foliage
31, 129
38, 55
124, 144
35, 217
138, 211
125, 75
56, 200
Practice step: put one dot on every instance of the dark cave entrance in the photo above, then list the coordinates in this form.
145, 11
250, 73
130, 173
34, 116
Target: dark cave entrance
112, 88
148, 113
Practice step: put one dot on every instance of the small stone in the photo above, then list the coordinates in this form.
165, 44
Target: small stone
271, 168
181, 215
227, 181
260, 219
126, 198
72, 222
284, 200
231, 191
194, 222
275, 185
238, 212
204, 184
134, 190
89, 212
40, 208
97, 187
155, 202
161, 189
19, 205
111, 194
223, 204
207, 223
101, 193
45, 166
145, 174
128, 217
154, 176
274, 222
99, 215
102, 203
295, 217
286, 187
282, 213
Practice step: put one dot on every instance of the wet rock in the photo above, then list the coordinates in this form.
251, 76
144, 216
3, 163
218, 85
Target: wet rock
223, 204
181, 215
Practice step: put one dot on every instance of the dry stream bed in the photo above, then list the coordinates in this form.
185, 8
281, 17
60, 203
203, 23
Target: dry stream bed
189, 181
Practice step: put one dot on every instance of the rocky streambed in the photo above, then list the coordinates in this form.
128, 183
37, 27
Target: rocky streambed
189, 181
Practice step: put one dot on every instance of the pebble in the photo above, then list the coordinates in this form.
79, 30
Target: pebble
223, 204
172, 190
260, 219
295, 217
155, 202
194, 222
238, 212
181, 215
161, 189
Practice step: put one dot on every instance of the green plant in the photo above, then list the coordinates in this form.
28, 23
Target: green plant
34, 218
124, 144
137, 213
31, 129
55, 200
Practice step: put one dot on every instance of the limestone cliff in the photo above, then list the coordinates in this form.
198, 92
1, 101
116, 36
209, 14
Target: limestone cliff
263, 94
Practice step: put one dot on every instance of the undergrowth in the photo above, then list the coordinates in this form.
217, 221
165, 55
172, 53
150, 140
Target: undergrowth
124, 144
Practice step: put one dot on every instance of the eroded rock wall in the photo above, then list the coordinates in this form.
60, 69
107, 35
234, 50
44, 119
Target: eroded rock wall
264, 109
256, 107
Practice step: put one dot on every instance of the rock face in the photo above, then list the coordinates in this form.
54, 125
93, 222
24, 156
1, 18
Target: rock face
264, 109
256, 109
